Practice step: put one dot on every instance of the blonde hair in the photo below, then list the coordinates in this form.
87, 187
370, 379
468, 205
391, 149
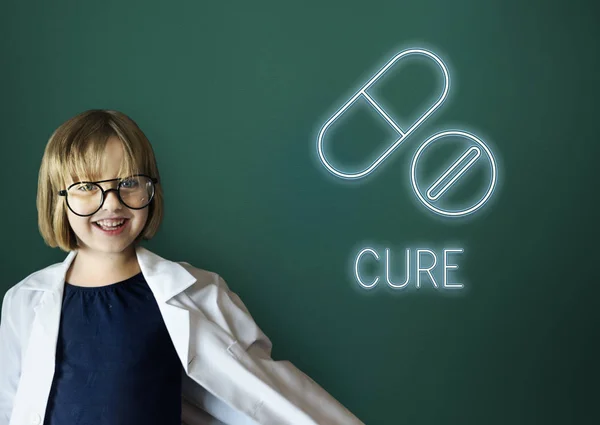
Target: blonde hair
75, 151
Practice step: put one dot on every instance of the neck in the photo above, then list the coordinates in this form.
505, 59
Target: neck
93, 268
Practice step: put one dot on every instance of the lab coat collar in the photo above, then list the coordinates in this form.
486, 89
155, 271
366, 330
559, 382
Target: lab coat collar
166, 278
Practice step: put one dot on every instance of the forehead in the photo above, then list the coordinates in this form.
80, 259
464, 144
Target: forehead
112, 157
108, 164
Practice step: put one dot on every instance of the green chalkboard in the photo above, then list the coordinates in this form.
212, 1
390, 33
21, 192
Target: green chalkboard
232, 96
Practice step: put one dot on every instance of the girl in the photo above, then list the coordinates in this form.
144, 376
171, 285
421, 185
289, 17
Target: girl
115, 334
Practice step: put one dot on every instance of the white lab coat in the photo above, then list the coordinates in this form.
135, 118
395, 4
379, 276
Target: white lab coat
228, 374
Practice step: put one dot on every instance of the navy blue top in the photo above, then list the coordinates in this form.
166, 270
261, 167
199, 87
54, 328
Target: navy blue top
115, 361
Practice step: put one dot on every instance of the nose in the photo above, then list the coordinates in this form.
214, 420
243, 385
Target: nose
111, 200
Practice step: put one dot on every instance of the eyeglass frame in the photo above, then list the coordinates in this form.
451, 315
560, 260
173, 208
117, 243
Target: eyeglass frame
64, 192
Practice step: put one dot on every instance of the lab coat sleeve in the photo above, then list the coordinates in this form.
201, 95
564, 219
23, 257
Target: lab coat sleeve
299, 388
10, 362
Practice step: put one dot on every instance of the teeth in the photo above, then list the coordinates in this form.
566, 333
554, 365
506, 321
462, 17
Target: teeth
110, 223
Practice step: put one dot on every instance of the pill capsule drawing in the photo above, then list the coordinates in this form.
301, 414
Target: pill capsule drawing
362, 92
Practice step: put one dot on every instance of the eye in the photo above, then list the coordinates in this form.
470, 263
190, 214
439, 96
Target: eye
86, 187
129, 183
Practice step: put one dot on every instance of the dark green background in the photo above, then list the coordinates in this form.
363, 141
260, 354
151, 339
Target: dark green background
232, 94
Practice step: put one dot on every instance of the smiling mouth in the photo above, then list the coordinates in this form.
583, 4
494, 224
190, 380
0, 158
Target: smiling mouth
109, 228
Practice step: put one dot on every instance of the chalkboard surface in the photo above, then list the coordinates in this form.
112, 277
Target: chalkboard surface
232, 96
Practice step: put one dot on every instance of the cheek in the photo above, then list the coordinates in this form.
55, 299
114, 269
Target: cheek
79, 224
76, 223
141, 218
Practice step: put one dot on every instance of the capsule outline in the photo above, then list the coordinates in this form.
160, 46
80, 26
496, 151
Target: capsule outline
363, 92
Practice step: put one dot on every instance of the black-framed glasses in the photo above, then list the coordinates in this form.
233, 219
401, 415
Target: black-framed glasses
86, 198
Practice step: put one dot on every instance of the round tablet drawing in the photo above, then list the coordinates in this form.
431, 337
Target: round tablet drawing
433, 193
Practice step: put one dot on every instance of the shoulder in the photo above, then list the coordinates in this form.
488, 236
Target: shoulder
18, 303
211, 288
26, 288
209, 293
222, 306
155, 264
204, 277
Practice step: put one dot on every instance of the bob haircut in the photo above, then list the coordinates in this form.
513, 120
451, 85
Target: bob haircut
75, 151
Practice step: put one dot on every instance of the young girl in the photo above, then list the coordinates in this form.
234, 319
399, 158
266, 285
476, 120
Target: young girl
115, 334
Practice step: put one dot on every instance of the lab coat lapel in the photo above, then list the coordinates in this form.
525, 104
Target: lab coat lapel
166, 280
